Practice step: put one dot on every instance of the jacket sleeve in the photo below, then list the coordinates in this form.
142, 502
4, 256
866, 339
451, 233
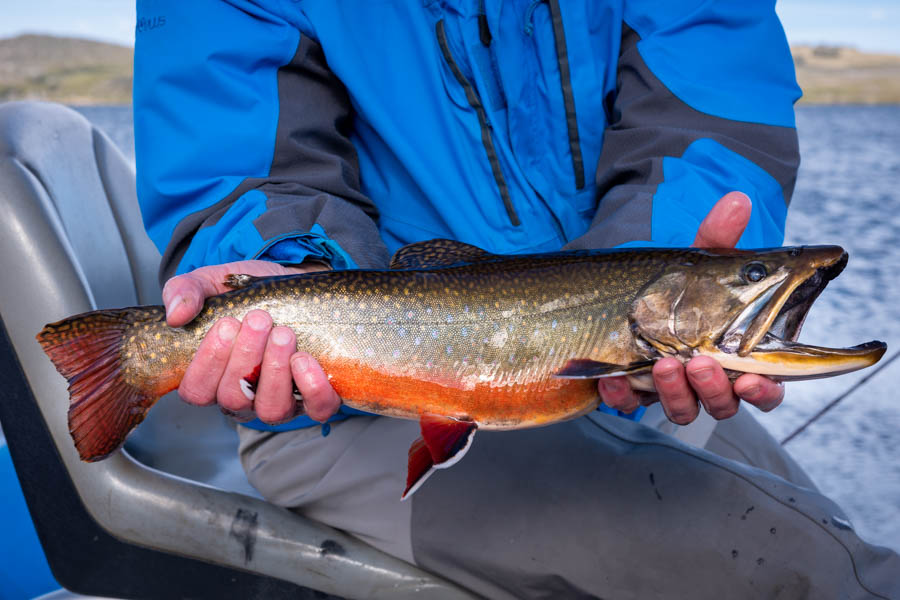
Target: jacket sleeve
703, 106
241, 140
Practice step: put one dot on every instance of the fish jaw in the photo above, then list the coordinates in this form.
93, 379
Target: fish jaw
790, 361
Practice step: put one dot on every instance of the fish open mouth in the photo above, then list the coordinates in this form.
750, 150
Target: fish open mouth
763, 338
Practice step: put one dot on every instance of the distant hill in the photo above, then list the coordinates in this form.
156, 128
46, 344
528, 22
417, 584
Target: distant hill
78, 71
839, 75
69, 70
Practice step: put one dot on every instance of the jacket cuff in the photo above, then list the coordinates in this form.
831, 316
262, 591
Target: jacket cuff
295, 247
634, 415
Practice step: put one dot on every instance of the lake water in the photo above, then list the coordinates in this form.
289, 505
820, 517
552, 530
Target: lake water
846, 194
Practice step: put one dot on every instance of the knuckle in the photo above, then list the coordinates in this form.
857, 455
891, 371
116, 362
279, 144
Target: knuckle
770, 407
627, 404
274, 412
315, 392
247, 352
717, 398
232, 397
615, 391
320, 405
320, 413
192, 395
720, 413
276, 368
677, 397
613, 403
682, 416
681, 407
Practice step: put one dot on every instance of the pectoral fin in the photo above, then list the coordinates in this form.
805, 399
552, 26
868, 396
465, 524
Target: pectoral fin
582, 368
443, 443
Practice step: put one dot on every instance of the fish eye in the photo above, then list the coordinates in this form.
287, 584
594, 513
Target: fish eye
754, 272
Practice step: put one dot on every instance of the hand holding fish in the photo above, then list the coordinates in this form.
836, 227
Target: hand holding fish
233, 350
236, 350
680, 386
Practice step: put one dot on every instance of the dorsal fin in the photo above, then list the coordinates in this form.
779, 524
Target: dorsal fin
437, 253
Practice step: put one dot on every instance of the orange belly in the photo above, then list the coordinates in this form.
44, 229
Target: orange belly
540, 402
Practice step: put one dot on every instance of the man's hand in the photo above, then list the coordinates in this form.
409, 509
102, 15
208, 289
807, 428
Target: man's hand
681, 386
232, 350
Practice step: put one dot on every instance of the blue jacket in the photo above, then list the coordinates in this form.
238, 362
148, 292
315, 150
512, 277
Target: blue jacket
343, 130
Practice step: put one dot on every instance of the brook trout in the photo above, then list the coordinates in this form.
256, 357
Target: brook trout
461, 339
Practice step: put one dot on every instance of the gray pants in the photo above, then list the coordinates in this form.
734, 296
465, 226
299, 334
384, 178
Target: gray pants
595, 507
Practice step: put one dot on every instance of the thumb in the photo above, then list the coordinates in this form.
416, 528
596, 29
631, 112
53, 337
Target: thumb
723, 226
184, 295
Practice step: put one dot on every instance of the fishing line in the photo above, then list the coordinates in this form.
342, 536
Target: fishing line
835, 402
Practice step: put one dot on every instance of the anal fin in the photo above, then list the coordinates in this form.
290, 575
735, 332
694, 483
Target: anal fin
443, 443
582, 368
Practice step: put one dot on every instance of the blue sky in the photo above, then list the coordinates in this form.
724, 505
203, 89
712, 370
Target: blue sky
867, 24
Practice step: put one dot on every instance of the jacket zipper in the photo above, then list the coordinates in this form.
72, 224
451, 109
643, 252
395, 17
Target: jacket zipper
565, 79
486, 137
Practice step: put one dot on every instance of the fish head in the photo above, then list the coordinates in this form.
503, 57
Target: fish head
746, 309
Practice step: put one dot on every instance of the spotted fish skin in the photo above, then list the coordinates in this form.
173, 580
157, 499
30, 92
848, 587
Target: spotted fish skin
478, 342
460, 339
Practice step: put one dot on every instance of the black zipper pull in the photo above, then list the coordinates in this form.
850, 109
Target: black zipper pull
484, 33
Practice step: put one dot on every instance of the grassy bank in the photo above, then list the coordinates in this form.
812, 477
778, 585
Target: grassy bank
68, 70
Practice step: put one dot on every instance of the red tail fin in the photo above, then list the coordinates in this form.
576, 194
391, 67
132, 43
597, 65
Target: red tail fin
86, 349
